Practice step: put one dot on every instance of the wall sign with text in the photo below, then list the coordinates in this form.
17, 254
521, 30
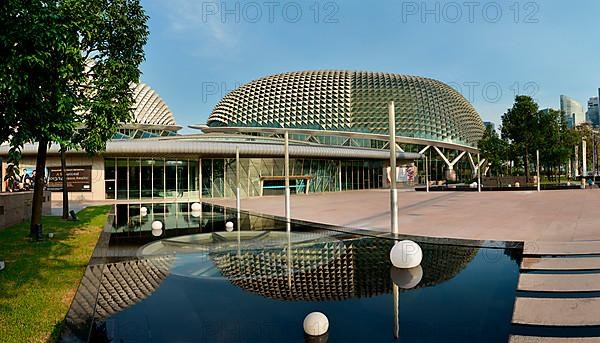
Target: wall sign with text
79, 179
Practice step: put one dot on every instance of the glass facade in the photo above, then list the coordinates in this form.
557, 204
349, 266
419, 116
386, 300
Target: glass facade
151, 178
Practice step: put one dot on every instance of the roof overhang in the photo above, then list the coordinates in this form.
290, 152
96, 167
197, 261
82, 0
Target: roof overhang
211, 148
349, 134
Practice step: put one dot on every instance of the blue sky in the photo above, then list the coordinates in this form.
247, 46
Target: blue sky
489, 50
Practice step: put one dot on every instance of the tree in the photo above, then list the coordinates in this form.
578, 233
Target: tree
519, 125
66, 67
493, 149
554, 141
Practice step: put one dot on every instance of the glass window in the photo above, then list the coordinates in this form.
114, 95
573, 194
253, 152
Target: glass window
134, 178
206, 178
182, 178
193, 178
122, 178
218, 179
158, 176
146, 178
109, 178
171, 178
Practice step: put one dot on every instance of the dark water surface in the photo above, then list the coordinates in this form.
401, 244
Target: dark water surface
254, 294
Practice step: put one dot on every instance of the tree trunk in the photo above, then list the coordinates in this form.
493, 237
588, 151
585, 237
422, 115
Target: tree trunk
65, 192
35, 230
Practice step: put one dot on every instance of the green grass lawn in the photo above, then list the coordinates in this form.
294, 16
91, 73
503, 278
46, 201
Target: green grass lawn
41, 279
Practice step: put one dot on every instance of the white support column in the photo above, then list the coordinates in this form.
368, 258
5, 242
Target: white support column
393, 190
448, 163
472, 163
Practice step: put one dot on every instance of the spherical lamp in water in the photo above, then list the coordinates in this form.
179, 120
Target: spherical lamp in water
229, 226
143, 211
157, 228
407, 278
316, 324
406, 254
196, 207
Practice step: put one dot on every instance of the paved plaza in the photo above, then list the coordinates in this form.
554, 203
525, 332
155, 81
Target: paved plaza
565, 215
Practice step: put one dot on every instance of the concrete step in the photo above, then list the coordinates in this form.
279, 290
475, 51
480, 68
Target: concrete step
559, 282
562, 248
557, 312
530, 339
560, 263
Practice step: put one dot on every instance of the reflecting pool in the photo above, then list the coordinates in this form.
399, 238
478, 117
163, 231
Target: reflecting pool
258, 283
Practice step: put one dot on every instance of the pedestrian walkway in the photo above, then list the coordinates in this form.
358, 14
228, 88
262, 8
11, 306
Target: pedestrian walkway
559, 288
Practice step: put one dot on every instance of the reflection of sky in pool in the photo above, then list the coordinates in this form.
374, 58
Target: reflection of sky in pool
225, 292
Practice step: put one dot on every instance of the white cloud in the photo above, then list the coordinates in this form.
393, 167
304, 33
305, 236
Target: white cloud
192, 20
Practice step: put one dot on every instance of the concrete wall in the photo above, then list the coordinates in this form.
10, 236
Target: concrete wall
16, 207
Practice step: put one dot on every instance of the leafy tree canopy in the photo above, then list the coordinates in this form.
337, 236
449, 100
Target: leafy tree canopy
66, 70
67, 65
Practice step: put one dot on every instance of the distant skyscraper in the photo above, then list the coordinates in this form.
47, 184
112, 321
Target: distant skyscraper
489, 124
572, 110
592, 115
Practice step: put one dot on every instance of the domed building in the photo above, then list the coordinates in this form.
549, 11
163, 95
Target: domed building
151, 117
352, 101
337, 122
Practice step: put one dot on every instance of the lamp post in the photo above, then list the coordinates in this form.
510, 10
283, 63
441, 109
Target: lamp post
478, 173
393, 190
426, 174
537, 155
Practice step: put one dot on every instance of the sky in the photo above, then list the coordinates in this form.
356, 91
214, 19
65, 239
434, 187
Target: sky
489, 51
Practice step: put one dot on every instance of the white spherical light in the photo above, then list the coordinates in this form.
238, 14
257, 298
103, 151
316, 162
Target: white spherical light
196, 207
406, 278
316, 324
143, 211
196, 214
406, 254
229, 226
157, 228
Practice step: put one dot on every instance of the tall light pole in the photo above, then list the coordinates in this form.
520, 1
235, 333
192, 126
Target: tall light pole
537, 155
287, 181
478, 173
426, 174
393, 190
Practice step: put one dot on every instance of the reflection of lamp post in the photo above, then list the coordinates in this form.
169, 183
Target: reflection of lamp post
396, 291
238, 205
287, 181
393, 190
238, 201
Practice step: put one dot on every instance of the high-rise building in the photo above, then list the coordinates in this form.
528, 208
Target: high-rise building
489, 124
592, 115
572, 110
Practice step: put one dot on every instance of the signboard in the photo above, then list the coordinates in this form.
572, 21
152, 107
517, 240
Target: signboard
79, 179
